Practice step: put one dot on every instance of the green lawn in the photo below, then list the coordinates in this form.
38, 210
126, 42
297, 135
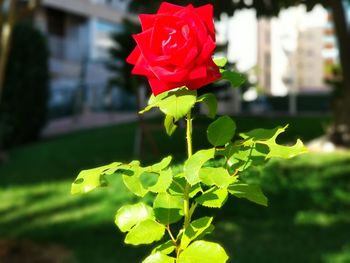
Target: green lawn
308, 219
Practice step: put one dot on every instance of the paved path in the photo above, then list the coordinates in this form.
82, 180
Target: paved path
86, 121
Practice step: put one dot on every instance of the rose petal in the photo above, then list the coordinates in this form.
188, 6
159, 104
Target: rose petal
167, 75
197, 25
184, 56
142, 67
213, 74
134, 56
159, 86
208, 48
166, 7
198, 73
164, 28
206, 12
147, 21
143, 42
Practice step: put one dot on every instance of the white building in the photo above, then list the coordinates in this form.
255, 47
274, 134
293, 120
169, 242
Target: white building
288, 51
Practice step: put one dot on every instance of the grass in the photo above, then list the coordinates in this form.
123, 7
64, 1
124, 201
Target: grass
308, 219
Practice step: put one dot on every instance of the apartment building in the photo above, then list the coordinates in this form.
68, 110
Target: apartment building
289, 52
292, 51
78, 33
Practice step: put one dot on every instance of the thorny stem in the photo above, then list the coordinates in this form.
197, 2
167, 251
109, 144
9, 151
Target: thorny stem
188, 212
188, 187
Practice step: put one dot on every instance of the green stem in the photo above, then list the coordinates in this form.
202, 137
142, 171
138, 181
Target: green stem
187, 213
189, 134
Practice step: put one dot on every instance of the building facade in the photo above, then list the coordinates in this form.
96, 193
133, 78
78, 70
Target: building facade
292, 50
78, 34
289, 51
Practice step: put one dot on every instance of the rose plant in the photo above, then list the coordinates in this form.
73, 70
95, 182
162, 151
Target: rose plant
174, 51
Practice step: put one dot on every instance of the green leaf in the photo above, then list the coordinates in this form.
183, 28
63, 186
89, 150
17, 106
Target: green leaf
194, 164
169, 124
207, 231
88, 180
165, 248
154, 102
178, 185
263, 134
220, 62
130, 215
285, 152
251, 192
148, 179
203, 252
162, 164
134, 184
221, 131
236, 79
168, 209
213, 198
246, 156
164, 181
216, 176
194, 230
159, 258
268, 137
210, 100
145, 232
178, 103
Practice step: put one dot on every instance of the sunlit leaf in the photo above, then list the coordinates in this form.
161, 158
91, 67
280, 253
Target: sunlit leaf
194, 230
251, 192
203, 252
195, 163
178, 186
169, 124
145, 232
220, 62
165, 248
213, 198
164, 181
268, 137
88, 180
245, 156
286, 152
216, 176
159, 258
129, 215
178, 103
154, 102
134, 184
167, 208
162, 164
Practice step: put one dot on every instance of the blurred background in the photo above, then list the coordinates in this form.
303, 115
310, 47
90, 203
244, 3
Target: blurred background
68, 102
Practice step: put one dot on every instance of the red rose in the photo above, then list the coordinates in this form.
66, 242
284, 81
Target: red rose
175, 48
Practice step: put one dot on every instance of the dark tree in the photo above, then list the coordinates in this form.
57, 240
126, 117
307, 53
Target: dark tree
340, 133
23, 110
